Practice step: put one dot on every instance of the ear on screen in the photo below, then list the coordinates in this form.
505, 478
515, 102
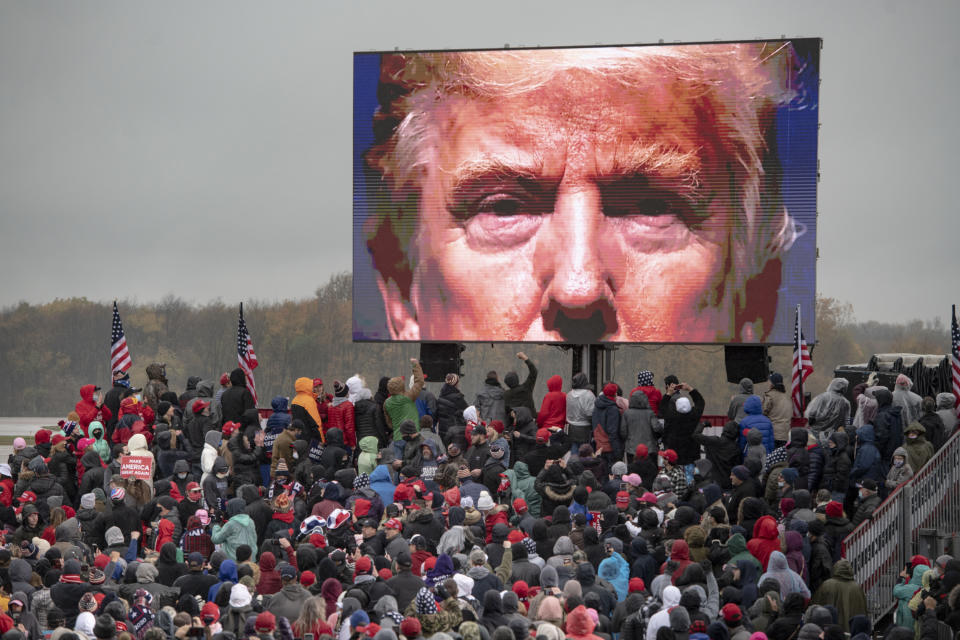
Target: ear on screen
401, 316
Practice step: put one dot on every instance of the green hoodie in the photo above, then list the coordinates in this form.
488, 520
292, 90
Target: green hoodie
367, 461
903, 593
737, 546
521, 484
101, 446
236, 531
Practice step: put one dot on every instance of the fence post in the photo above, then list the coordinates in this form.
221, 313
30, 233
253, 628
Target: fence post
906, 531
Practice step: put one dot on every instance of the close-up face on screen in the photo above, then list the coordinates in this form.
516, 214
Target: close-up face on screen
608, 194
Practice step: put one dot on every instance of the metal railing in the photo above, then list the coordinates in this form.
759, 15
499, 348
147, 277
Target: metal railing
925, 508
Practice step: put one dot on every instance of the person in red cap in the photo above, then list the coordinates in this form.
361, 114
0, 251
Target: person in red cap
733, 618
366, 579
410, 628
644, 463
837, 527
606, 424
265, 625
623, 502
674, 471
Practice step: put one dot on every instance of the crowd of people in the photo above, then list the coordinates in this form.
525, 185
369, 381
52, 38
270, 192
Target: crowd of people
393, 513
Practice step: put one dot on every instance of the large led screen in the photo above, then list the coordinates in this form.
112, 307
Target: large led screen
637, 194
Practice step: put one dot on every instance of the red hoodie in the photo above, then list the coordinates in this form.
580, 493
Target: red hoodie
553, 409
270, 582
164, 533
580, 625
87, 409
653, 397
766, 540
679, 553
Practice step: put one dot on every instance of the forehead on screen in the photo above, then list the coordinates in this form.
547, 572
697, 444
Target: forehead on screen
747, 68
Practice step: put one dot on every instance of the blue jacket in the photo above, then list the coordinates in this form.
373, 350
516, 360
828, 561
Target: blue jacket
869, 462
381, 482
615, 570
756, 420
228, 573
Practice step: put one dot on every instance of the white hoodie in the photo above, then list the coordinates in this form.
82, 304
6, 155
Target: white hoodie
671, 598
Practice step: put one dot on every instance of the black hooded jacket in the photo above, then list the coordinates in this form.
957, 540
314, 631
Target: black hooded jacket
237, 398
520, 394
722, 451
450, 407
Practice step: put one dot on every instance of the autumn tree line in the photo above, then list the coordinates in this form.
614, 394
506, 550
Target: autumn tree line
49, 351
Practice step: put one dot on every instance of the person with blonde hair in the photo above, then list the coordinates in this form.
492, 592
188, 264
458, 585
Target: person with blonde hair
312, 619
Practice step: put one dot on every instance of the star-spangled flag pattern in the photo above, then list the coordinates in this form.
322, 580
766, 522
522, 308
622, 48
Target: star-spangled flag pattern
245, 355
955, 354
802, 367
119, 354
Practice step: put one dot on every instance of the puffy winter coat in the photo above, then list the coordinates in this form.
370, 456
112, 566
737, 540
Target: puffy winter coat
450, 406
754, 419
580, 405
340, 415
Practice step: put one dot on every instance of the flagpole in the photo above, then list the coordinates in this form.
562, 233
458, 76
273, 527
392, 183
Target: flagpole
800, 357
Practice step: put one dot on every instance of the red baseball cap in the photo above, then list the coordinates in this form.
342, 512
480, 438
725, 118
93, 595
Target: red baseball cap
623, 497
393, 523
520, 506
317, 382
669, 455
200, 405
515, 536
363, 565
543, 435
224, 379
635, 584
192, 486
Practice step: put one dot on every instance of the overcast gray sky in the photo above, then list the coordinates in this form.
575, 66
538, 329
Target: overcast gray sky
204, 148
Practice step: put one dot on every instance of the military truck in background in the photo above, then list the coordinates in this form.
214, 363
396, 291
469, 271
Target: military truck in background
930, 373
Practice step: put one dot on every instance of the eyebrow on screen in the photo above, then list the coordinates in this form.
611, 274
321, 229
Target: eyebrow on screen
492, 168
664, 169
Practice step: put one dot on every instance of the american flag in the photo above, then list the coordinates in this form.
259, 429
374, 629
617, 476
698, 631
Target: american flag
119, 354
802, 367
955, 353
245, 354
